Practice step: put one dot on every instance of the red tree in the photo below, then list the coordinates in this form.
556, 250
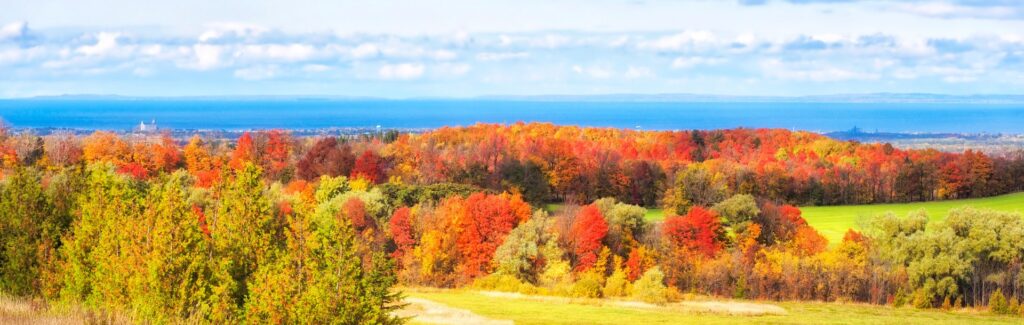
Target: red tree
368, 166
402, 232
485, 223
587, 231
355, 210
276, 152
700, 230
244, 152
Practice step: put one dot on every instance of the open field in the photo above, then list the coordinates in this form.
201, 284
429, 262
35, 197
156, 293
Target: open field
550, 310
833, 221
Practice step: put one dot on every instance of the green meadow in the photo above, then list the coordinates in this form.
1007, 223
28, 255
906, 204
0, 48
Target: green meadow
833, 221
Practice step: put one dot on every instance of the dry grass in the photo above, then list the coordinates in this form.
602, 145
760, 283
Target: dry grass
424, 311
36, 311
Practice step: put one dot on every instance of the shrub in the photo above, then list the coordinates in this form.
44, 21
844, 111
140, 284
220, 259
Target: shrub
1014, 307
617, 284
922, 300
499, 282
651, 287
588, 286
997, 303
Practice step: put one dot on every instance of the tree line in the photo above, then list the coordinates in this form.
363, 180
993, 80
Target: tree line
281, 229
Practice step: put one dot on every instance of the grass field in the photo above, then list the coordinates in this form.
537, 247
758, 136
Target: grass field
833, 221
535, 311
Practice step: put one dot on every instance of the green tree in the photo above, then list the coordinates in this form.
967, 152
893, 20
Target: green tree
244, 232
96, 268
519, 254
737, 210
173, 256
30, 232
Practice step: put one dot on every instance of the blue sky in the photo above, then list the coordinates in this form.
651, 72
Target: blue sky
465, 48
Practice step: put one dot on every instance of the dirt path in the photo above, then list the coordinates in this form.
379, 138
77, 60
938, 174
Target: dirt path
429, 312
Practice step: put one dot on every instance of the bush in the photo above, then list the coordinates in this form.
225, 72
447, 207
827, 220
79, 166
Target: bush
588, 286
651, 287
617, 284
997, 303
501, 282
1014, 307
900, 299
922, 300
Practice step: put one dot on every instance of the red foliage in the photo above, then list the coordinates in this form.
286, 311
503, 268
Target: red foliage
244, 151
133, 169
485, 223
355, 210
808, 241
276, 153
201, 217
325, 158
700, 231
639, 261
587, 231
400, 226
368, 166
166, 155
853, 236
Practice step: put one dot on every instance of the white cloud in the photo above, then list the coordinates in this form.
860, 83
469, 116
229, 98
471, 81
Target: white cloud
445, 55
403, 71
694, 61
680, 41
365, 50
289, 52
950, 10
452, 69
313, 68
813, 71
501, 56
206, 56
105, 43
228, 30
256, 73
14, 30
639, 73
593, 72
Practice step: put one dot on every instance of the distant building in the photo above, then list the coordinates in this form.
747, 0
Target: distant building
150, 128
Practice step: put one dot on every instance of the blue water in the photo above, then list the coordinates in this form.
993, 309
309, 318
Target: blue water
230, 114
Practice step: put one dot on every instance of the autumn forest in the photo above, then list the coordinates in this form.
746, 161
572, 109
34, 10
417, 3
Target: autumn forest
273, 227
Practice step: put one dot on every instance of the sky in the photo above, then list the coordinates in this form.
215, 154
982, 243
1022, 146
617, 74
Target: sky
468, 48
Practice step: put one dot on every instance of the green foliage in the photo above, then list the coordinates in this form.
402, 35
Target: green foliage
695, 185
617, 285
737, 210
557, 274
174, 254
589, 285
96, 252
330, 187
519, 254
30, 230
997, 303
411, 195
651, 287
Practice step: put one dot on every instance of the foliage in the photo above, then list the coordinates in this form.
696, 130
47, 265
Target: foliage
651, 287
